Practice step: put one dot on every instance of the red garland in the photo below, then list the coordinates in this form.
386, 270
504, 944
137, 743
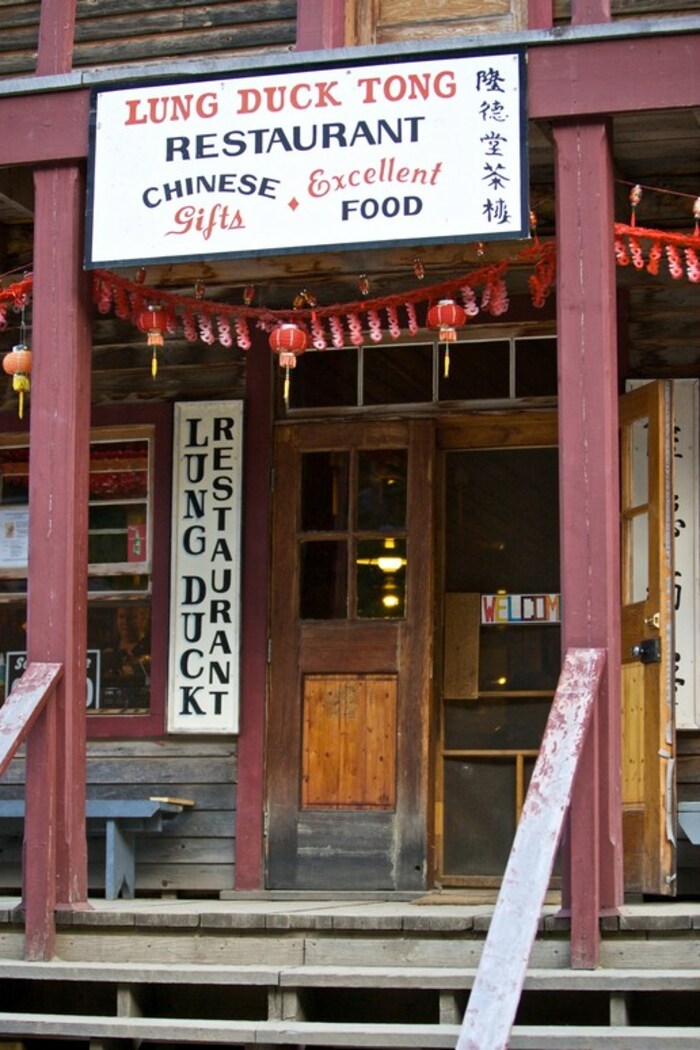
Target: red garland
207, 321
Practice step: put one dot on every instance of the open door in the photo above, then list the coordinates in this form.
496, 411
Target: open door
648, 734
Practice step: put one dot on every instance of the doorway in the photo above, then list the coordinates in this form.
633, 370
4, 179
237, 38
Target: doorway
500, 635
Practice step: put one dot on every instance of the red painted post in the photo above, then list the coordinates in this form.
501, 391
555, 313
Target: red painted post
590, 12
540, 14
320, 24
589, 500
57, 596
250, 794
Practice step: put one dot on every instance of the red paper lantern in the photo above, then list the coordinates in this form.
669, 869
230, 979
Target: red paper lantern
447, 315
18, 364
289, 341
154, 320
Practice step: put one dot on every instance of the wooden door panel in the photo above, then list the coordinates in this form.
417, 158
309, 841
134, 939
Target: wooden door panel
648, 734
349, 742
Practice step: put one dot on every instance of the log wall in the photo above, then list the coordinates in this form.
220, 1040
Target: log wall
195, 853
123, 32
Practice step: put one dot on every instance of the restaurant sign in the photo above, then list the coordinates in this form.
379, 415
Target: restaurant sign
427, 150
203, 689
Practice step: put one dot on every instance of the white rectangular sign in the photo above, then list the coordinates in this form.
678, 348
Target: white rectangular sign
424, 150
203, 689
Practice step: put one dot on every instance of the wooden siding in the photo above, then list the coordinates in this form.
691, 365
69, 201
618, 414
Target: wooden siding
195, 853
120, 32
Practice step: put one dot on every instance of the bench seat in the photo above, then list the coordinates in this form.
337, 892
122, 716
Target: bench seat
123, 819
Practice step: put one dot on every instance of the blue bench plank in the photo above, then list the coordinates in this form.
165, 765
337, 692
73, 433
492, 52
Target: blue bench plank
123, 819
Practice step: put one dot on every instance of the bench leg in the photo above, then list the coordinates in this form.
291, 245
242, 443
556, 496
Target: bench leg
120, 864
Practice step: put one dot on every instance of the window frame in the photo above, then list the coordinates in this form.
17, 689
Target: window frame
129, 421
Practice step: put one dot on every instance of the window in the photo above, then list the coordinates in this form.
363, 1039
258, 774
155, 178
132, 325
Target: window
352, 551
120, 645
496, 365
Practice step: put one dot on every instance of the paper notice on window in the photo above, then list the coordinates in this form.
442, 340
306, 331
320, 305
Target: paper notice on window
14, 537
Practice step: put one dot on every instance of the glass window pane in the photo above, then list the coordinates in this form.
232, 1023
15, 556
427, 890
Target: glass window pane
536, 367
522, 657
640, 558
381, 502
639, 437
479, 820
381, 578
323, 580
324, 491
14, 475
502, 531
397, 375
477, 372
122, 636
117, 533
118, 470
499, 724
324, 379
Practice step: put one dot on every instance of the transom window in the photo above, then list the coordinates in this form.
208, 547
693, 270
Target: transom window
501, 367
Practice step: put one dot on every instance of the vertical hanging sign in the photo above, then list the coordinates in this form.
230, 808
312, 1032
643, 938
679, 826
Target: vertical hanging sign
203, 691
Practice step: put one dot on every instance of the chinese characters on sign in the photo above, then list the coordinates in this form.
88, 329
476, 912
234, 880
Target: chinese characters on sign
427, 150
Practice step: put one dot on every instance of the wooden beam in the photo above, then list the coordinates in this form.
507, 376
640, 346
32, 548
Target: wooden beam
590, 12
56, 32
250, 794
320, 24
42, 128
57, 589
613, 76
589, 500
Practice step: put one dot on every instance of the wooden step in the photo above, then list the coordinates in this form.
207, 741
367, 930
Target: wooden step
300, 1033
402, 977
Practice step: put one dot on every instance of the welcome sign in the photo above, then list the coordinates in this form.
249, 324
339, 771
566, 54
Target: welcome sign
431, 149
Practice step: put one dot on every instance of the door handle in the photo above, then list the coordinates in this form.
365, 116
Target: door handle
648, 651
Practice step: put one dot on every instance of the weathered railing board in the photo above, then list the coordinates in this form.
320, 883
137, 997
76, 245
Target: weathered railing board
494, 1000
23, 706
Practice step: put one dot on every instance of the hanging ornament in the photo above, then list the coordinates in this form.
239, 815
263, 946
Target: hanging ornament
199, 288
696, 215
363, 284
154, 321
480, 249
418, 268
636, 194
140, 275
248, 294
289, 341
447, 316
18, 364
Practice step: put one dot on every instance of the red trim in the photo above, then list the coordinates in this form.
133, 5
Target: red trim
589, 500
44, 127
57, 577
613, 76
56, 33
590, 12
540, 14
320, 24
250, 798
160, 416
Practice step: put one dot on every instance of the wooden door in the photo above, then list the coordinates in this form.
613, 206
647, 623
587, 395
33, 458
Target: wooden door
648, 733
500, 653
350, 656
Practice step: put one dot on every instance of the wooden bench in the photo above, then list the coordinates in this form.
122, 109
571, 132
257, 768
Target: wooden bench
123, 819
